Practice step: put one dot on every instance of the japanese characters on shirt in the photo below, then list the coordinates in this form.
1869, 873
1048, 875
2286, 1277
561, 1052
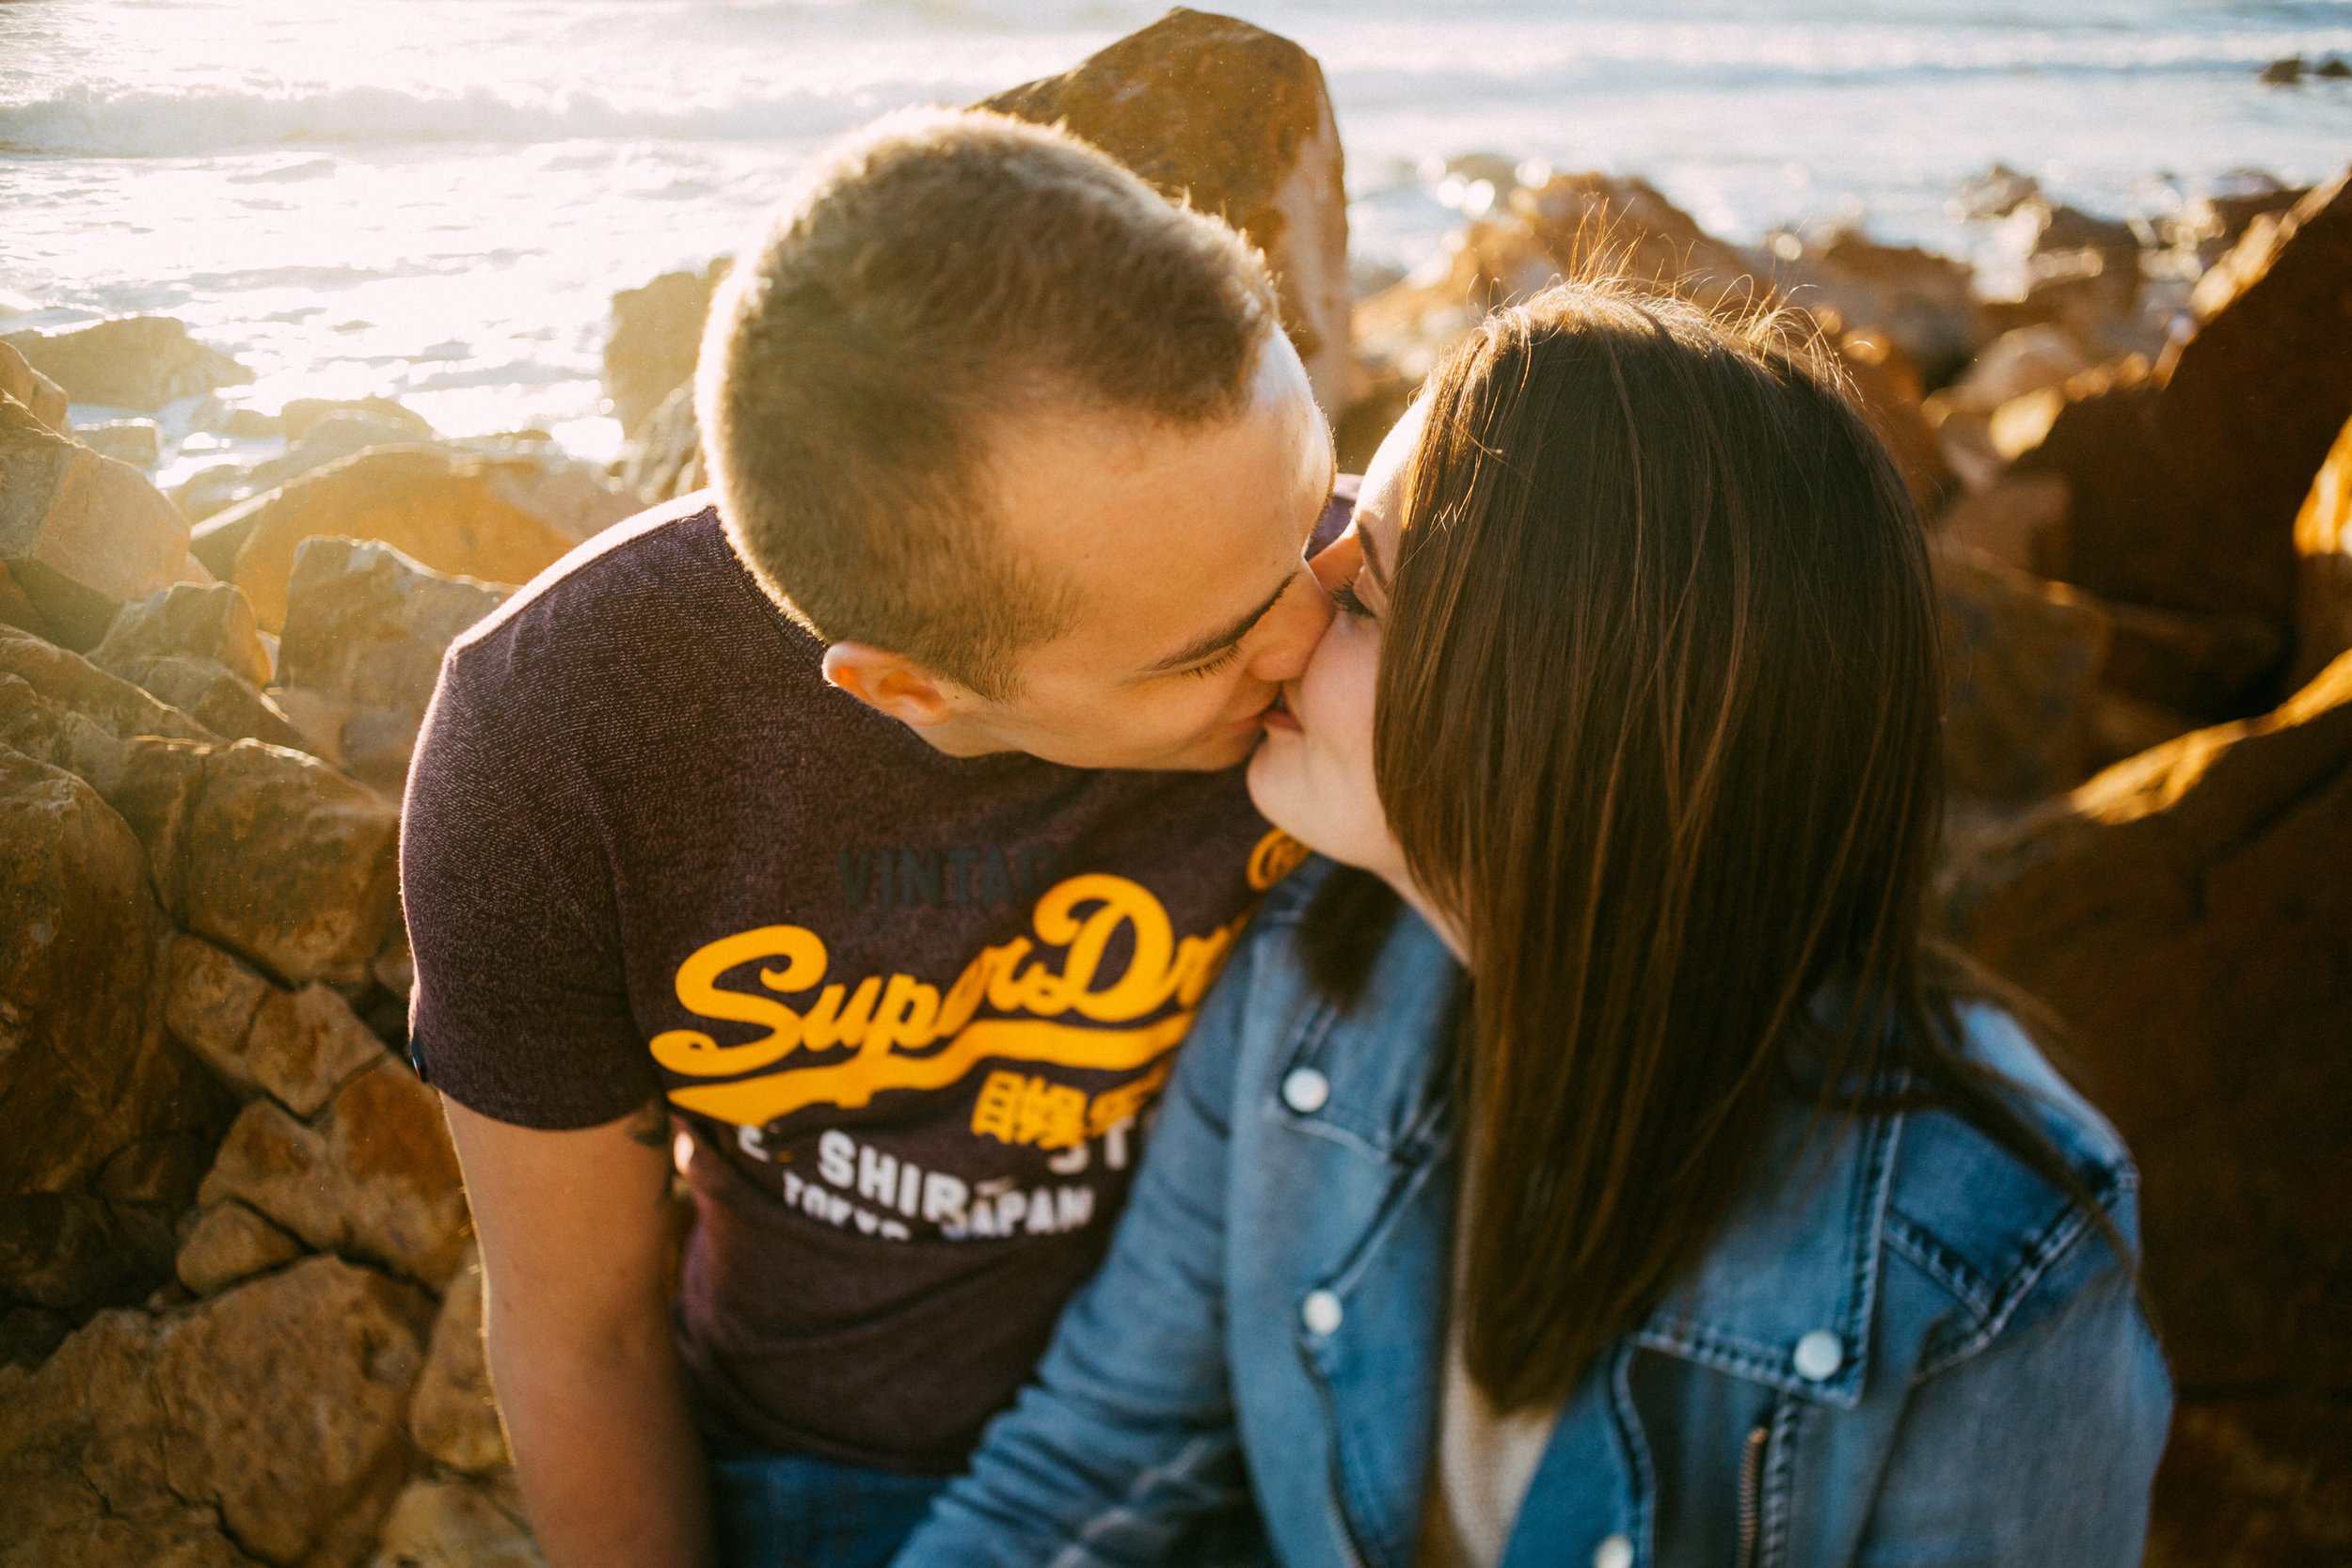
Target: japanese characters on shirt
1022, 1016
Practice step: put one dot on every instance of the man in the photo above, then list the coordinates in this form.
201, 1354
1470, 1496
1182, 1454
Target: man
877, 827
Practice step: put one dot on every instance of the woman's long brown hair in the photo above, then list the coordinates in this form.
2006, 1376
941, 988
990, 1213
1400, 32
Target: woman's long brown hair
1658, 723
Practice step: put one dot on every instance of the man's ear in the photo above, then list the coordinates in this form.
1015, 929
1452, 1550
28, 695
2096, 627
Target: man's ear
888, 683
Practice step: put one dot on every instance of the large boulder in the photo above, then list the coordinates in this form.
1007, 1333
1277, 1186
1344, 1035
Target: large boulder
36, 391
376, 1180
657, 336
2185, 913
446, 509
276, 1407
2185, 482
268, 852
2022, 659
2323, 565
365, 630
90, 1071
139, 362
81, 533
1237, 121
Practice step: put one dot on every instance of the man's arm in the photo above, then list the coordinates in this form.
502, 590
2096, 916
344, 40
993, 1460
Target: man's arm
575, 1236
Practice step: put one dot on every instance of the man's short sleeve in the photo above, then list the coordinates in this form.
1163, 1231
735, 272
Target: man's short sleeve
521, 1009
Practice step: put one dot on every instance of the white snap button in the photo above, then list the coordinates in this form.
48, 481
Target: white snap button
1305, 1091
1321, 1313
1818, 1355
1615, 1552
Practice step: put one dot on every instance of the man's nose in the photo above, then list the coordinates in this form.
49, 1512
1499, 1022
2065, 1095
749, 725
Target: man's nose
1288, 635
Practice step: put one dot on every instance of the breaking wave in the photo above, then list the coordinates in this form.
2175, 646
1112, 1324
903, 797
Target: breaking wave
99, 121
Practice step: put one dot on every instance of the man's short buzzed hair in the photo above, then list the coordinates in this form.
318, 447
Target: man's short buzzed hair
938, 274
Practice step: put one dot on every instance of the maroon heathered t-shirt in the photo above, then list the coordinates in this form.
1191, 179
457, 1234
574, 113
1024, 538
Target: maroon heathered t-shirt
909, 1006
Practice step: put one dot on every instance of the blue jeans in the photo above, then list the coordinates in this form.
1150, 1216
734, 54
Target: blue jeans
788, 1510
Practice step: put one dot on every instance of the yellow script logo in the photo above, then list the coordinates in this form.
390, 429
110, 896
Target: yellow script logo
896, 1025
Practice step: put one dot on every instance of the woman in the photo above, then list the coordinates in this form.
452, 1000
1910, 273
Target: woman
1640, 1192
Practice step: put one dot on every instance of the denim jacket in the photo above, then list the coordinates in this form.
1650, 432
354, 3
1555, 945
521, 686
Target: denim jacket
1902, 1348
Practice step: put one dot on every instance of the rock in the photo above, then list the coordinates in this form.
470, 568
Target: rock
29, 1336
2185, 482
2013, 521
454, 1417
2254, 400
576, 499
71, 1252
657, 337
275, 1407
1996, 193
2255, 1481
2184, 912
232, 1242
197, 648
212, 622
375, 1178
298, 1047
666, 457
442, 508
308, 1452
365, 630
2026, 360
2282, 72
162, 1169
59, 708
1582, 221
1922, 300
81, 532
369, 624
44, 397
90, 1069
1236, 120
2322, 567
132, 442
1882, 376
162, 1538
453, 1524
18, 611
2022, 661
138, 362
2210, 226
207, 691
301, 414
1571, 226
268, 852
2190, 662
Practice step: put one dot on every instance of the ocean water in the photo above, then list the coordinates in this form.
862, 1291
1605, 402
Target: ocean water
436, 199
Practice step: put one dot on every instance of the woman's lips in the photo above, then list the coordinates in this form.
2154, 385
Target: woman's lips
1278, 715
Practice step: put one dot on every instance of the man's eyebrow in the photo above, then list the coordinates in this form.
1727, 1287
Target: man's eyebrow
1218, 641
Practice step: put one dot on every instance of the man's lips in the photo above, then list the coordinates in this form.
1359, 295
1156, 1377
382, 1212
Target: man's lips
1278, 715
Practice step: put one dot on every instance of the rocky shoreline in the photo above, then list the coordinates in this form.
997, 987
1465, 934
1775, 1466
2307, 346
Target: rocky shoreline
239, 1314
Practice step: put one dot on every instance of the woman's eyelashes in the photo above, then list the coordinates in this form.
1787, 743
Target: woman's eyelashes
1344, 596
